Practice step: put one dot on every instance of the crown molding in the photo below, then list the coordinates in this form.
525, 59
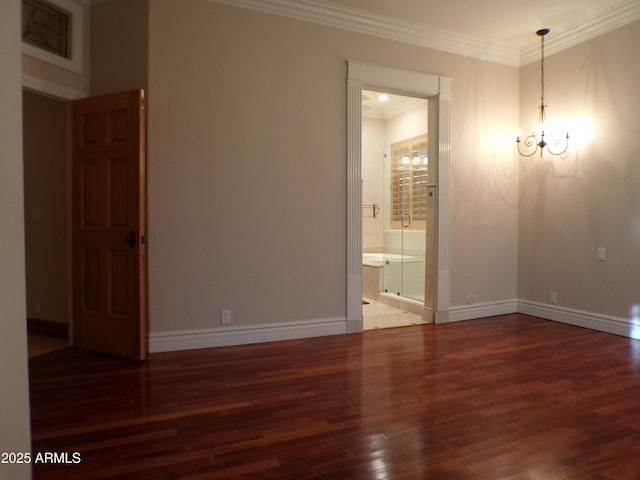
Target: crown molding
594, 26
380, 26
393, 29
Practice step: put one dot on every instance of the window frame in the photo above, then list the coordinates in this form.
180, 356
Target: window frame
75, 35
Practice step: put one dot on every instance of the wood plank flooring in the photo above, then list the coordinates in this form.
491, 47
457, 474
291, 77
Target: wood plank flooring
40, 344
510, 397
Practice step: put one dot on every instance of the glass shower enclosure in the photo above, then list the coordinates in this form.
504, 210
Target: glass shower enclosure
409, 199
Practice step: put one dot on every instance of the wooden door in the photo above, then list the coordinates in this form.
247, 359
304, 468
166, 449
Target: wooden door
109, 281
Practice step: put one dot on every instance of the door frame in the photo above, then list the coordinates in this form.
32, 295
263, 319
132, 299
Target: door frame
67, 95
437, 89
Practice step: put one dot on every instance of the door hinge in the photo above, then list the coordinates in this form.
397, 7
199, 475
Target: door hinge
143, 240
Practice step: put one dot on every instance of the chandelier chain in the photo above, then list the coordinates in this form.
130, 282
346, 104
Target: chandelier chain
536, 141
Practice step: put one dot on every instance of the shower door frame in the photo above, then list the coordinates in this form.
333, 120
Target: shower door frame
437, 90
406, 225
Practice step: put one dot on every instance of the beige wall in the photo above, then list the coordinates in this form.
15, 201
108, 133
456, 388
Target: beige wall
119, 46
47, 210
572, 206
14, 394
372, 183
247, 166
484, 183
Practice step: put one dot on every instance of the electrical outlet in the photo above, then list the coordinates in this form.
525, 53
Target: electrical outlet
225, 317
553, 297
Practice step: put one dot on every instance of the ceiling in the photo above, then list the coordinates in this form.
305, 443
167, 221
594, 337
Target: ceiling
375, 107
496, 30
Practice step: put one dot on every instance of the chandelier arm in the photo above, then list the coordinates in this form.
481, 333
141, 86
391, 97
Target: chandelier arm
566, 146
531, 142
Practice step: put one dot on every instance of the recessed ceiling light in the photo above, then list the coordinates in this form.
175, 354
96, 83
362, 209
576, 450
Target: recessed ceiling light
383, 97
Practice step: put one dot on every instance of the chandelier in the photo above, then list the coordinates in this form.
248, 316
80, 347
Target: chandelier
542, 138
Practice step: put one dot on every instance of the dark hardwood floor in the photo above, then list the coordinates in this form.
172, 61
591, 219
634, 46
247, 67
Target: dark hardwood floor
510, 397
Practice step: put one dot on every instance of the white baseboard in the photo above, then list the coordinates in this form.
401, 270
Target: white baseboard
226, 336
481, 310
579, 318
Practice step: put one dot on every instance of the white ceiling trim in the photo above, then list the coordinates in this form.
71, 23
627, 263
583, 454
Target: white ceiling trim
380, 26
391, 28
594, 26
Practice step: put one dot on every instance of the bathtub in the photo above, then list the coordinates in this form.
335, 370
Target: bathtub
384, 273
380, 259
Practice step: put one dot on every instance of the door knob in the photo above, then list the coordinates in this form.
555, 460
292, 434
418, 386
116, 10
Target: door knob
131, 239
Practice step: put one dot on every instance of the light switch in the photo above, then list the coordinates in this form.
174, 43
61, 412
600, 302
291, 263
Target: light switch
602, 254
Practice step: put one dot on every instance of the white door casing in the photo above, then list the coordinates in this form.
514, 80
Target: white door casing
415, 84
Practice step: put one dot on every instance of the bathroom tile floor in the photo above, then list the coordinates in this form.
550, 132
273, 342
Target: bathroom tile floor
378, 315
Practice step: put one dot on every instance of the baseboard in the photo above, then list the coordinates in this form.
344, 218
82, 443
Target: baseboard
481, 310
226, 336
48, 328
579, 318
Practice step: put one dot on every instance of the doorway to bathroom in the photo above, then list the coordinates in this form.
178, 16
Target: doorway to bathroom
438, 90
398, 211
